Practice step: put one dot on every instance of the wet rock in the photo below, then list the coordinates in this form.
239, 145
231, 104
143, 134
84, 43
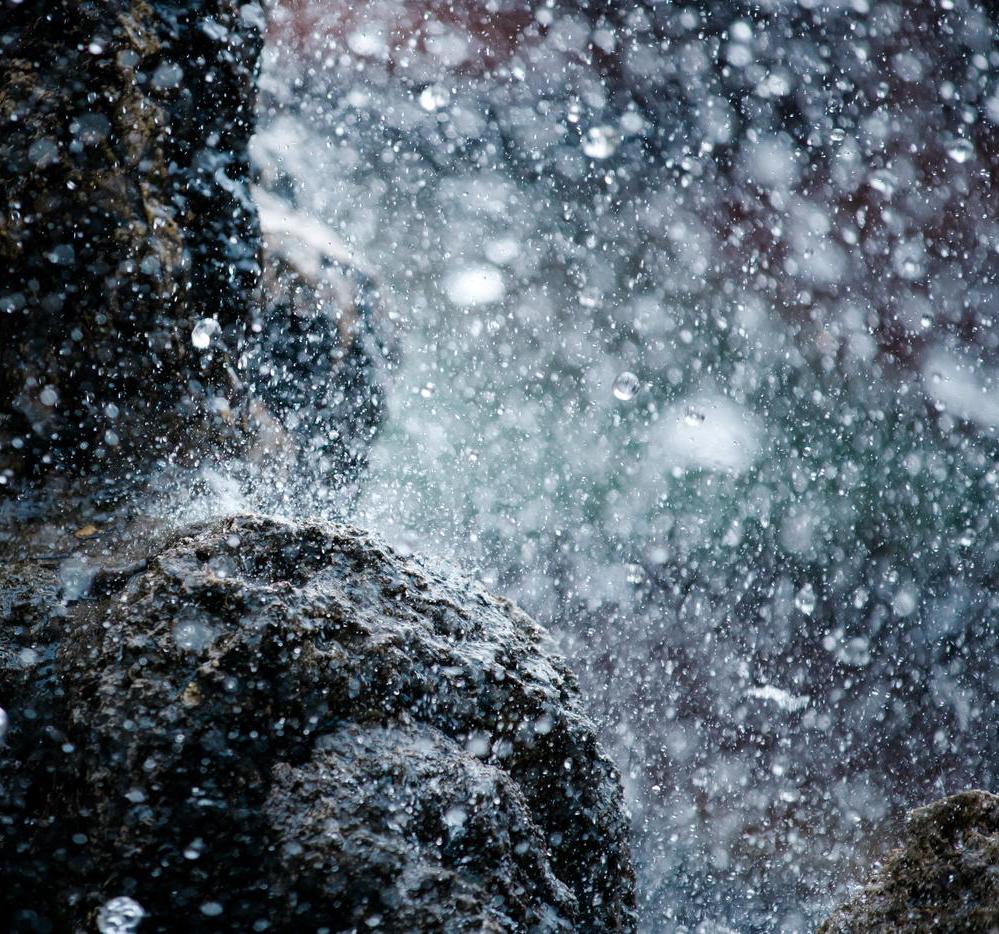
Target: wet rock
126, 225
133, 326
326, 347
261, 722
943, 877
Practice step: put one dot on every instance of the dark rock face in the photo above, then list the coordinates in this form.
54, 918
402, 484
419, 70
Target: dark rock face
288, 723
133, 325
325, 345
944, 876
126, 221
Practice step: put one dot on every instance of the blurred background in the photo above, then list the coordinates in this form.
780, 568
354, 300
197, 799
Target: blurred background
694, 309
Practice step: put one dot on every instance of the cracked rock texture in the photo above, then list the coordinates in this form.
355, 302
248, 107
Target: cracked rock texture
259, 722
943, 877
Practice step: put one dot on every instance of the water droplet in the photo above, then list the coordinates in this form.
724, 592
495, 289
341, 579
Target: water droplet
960, 150
626, 386
906, 601
478, 285
203, 332
455, 817
428, 390
600, 142
884, 182
634, 573
48, 396
4, 723
194, 848
693, 416
211, 909
837, 135
121, 915
856, 652
805, 600
434, 97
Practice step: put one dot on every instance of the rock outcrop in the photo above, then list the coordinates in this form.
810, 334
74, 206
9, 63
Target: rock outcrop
268, 725
129, 246
943, 877
142, 315
248, 724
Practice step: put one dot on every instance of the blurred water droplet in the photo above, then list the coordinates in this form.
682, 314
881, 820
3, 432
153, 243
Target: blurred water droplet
693, 415
121, 915
4, 724
626, 386
805, 600
455, 817
194, 848
884, 182
203, 332
479, 285
960, 150
434, 97
600, 142
906, 601
856, 652
634, 573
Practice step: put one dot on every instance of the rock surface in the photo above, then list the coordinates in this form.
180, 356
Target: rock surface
261, 722
248, 724
142, 314
126, 225
943, 877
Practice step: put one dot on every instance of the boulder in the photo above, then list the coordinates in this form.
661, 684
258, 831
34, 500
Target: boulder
944, 876
258, 724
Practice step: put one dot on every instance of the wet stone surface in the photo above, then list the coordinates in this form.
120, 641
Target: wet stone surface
943, 877
261, 722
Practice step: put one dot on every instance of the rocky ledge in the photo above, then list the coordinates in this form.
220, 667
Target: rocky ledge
271, 725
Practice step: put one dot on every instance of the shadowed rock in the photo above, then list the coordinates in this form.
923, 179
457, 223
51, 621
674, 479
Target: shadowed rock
127, 236
133, 324
265, 721
943, 877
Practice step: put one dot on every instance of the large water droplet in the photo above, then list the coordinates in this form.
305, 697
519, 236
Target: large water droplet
805, 600
434, 97
121, 915
600, 142
203, 332
626, 386
960, 150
